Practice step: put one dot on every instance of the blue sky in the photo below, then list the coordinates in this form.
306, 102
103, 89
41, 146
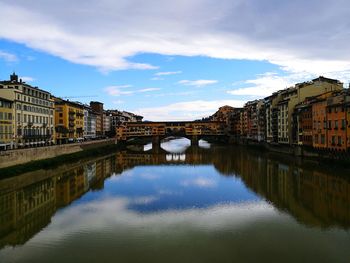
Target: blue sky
172, 60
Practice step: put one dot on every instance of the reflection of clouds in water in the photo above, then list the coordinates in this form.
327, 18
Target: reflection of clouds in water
169, 192
177, 145
175, 157
200, 182
204, 144
147, 147
105, 214
143, 200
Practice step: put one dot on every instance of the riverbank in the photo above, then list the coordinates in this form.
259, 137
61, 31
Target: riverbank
24, 156
51, 163
297, 151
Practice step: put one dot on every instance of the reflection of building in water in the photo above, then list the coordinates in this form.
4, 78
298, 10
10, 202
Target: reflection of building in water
312, 197
90, 171
28, 201
316, 198
25, 211
70, 186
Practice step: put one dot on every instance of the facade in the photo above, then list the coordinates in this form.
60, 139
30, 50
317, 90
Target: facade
235, 122
295, 95
223, 114
6, 124
337, 117
106, 124
69, 118
89, 123
33, 113
303, 120
118, 118
98, 108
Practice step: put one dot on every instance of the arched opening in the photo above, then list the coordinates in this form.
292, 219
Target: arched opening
175, 144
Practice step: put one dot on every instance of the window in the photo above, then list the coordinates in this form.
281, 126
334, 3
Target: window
322, 139
333, 140
335, 124
339, 140
343, 124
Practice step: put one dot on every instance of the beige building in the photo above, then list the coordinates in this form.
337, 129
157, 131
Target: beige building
290, 97
33, 112
6, 124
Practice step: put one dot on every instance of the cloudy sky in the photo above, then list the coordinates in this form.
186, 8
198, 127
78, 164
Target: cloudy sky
173, 59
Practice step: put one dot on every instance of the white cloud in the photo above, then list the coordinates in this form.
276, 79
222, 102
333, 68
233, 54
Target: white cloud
120, 90
27, 79
310, 36
265, 84
148, 89
167, 73
188, 110
197, 83
157, 78
8, 57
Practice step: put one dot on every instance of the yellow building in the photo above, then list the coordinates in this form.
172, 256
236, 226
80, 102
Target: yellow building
32, 112
289, 98
69, 119
6, 124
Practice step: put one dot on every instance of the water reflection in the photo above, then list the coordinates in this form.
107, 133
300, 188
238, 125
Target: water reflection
224, 195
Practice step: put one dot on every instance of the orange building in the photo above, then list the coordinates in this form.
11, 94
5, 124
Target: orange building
320, 130
337, 121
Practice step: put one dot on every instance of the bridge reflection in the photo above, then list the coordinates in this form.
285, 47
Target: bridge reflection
316, 198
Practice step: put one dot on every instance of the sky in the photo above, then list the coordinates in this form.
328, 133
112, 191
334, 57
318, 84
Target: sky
173, 60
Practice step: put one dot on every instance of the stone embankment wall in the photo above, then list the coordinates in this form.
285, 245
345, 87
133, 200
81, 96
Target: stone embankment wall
297, 151
21, 156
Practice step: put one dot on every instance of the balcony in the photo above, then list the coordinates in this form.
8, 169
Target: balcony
71, 112
71, 118
71, 124
40, 137
30, 124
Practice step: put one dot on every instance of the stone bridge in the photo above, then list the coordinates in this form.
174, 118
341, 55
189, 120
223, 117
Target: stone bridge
193, 130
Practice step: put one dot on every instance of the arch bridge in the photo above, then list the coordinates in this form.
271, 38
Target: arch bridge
192, 130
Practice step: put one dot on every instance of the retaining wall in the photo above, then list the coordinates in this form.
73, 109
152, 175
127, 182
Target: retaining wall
21, 156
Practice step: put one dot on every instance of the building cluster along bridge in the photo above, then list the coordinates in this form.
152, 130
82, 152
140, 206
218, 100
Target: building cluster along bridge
193, 130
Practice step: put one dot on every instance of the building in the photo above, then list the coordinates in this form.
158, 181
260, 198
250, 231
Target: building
118, 118
235, 122
223, 114
98, 108
254, 120
6, 124
69, 118
290, 97
89, 123
303, 120
33, 112
106, 124
271, 117
337, 117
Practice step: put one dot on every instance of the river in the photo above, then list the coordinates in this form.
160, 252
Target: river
212, 203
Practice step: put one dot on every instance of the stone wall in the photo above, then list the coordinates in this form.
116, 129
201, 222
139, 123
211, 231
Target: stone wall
21, 156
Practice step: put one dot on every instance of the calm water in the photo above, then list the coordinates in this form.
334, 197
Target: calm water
196, 204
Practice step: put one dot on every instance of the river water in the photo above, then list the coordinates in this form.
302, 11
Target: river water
209, 203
